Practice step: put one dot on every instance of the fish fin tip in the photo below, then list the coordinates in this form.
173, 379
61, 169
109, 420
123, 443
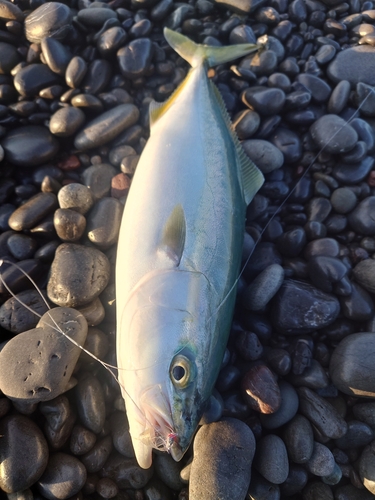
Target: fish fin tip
174, 234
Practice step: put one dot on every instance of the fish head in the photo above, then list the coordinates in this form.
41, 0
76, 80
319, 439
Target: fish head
162, 368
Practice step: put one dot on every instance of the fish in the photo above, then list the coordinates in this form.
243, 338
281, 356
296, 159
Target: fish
179, 256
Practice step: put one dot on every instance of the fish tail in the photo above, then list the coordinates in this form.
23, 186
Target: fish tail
195, 54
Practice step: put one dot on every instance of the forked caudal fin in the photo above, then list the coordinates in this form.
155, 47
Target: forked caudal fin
195, 54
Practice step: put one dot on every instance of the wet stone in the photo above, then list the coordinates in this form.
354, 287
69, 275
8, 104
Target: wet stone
288, 143
15, 318
56, 55
31, 79
57, 438
286, 411
322, 246
56, 411
75, 72
279, 361
248, 346
81, 440
299, 439
271, 459
16, 279
318, 209
9, 58
33, 211
53, 357
360, 219
134, 59
321, 462
353, 65
265, 102
64, 477
359, 434
263, 288
345, 137
343, 200
66, 121
78, 275
23, 453
76, 197
22, 246
90, 403
29, 146
320, 90
291, 242
321, 414
260, 390
51, 19
103, 223
353, 173
351, 368
264, 154
95, 459
339, 96
221, 468
300, 308
114, 121
69, 225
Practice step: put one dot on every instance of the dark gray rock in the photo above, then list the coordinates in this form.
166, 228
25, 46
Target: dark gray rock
75, 72
23, 453
103, 222
135, 58
96, 458
64, 477
33, 211
319, 89
22, 246
82, 440
66, 121
264, 154
10, 12
353, 65
360, 219
288, 408
241, 6
367, 467
42, 360
97, 76
15, 317
266, 102
121, 435
56, 55
98, 179
321, 462
351, 367
29, 146
106, 126
69, 225
263, 288
51, 19
359, 434
9, 58
364, 274
339, 96
111, 40
299, 439
96, 16
34, 77
271, 459
76, 197
358, 305
334, 134
221, 468
288, 142
90, 403
126, 472
78, 275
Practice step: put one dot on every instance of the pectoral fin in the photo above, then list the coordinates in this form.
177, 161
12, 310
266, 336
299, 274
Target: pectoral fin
174, 234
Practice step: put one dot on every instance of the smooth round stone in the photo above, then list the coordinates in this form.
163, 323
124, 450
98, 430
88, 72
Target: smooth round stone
263, 288
98, 178
76, 197
365, 412
96, 16
262, 489
351, 368
343, 200
168, 471
66, 121
90, 403
359, 434
242, 34
69, 225
103, 222
299, 439
23, 452
121, 435
260, 390
320, 90
264, 255
266, 102
15, 279
297, 99
16, 318
75, 72
51, 19
126, 472
29, 146
326, 271
353, 65
56, 55
9, 57
360, 218
322, 246
357, 154
246, 123
228, 377
33, 78
350, 492
79, 274
22, 246
353, 173
64, 477
325, 54
97, 76
117, 154
279, 80
135, 58
334, 134
57, 412
288, 143
271, 459
96, 341
364, 274
223, 454
96, 458
106, 126
264, 154
107, 488
339, 96
358, 306
287, 409
81, 440
321, 462
87, 101
299, 307
314, 376
45, 357
367, 467
33, 211
291, 242
321, 414
317, 491
295, 482
364, 131
279, 360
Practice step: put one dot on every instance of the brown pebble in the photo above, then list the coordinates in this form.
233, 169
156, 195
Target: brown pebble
260, 390
70, 163
69, 224
120, 185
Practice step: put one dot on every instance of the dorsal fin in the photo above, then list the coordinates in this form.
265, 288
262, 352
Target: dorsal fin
174, 234
251, 177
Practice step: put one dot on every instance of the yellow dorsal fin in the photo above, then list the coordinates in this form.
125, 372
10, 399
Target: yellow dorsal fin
251, 177
174, 234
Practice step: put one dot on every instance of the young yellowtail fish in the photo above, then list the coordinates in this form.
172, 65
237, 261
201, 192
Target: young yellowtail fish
179, 256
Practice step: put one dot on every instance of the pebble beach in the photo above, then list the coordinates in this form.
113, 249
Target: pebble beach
292, 415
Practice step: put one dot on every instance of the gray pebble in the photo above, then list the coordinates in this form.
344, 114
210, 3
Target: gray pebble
367, 467
96, 16
221, 468
23, 453
82, 440
263, 288
264, 154
111, 40
51, 19
287, 410
9, 57
45, 358
321, 462
10, 12
56, 55
246, 123
353, 65
98, 179
121, 435
16, 318
343, 200
334, 134
313, 376
271, 459
135, 58
359, 434
106, 126
97, 76
33, 211
75, 72
93, 312
22, 246
339, 96
90, 403
33, 78
351, 367
96, 343
360, 219
69, 224
299, 439
64, 477
317, 491
79, 274
66, 121
75, 197
168, 471
103, 222
266, 102
96, 458
364, 274
56, 411
365, 412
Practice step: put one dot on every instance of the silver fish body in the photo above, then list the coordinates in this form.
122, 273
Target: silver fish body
178, 258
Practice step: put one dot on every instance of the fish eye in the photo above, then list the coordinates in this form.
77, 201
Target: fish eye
180, 371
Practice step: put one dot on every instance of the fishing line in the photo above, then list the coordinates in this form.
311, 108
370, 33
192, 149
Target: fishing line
287, 198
